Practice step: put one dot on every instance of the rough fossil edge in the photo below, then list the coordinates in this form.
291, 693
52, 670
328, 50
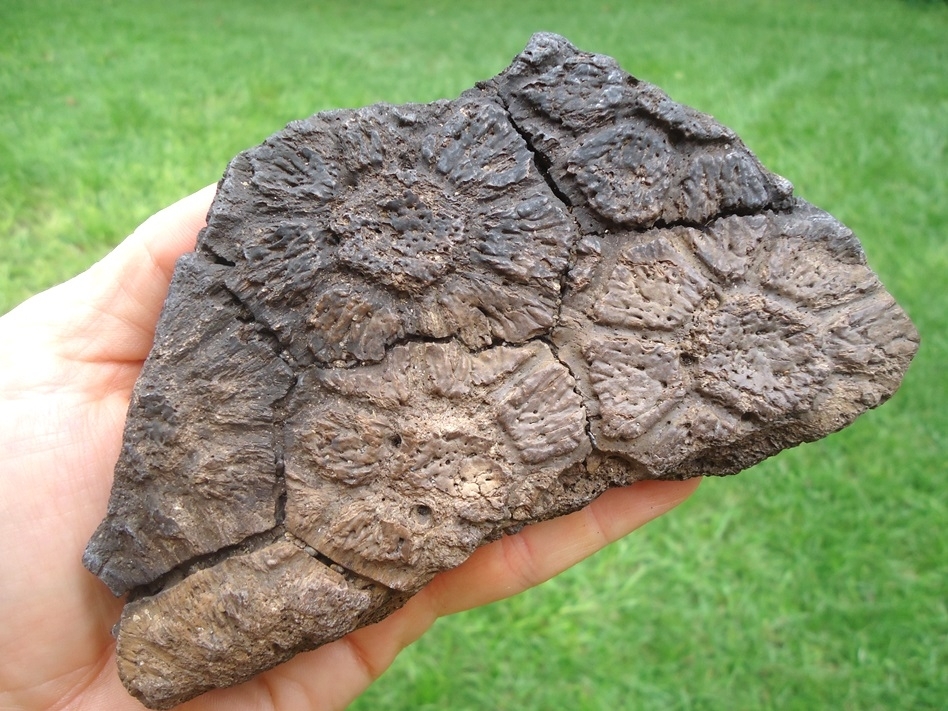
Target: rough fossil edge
409, 330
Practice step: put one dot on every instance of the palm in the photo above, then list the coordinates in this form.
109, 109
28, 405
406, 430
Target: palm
68, 361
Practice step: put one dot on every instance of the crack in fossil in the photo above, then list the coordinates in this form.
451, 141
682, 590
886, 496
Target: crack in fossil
251, 543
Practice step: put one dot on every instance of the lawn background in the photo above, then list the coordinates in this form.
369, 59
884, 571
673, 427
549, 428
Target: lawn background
817, 579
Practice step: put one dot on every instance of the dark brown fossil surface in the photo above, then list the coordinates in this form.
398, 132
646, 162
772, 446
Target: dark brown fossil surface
408, 330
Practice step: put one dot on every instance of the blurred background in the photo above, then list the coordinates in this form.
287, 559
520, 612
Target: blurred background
818, 579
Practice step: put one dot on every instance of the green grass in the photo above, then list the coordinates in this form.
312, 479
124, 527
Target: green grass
816, 580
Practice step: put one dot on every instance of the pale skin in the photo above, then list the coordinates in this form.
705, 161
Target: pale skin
68, 360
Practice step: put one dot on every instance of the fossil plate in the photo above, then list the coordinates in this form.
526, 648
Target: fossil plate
409, 330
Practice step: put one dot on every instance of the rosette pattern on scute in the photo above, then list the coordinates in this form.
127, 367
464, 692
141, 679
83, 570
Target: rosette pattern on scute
708, 348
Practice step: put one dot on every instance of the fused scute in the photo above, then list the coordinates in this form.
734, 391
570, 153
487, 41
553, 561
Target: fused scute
435, 467
543, 414
726, 246
635, 381
621, 151
763, 360
791, 271
214, 379
409, 330
650, 288
437, 226
308, 604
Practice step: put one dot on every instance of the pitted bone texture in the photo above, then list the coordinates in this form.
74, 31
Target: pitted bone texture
409, 330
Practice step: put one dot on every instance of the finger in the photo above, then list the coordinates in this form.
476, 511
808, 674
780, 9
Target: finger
120, 297
333, 675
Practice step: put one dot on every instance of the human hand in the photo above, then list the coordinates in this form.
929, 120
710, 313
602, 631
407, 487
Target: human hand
69, 358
